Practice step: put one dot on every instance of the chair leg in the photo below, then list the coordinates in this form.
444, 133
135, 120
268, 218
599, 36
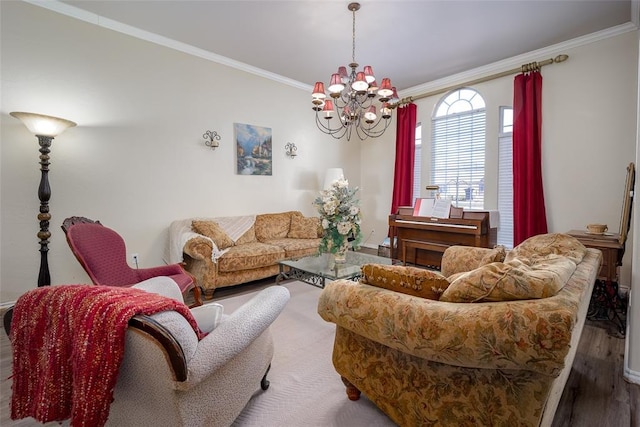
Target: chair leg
197, 296
8, 316
264, 383
352, 392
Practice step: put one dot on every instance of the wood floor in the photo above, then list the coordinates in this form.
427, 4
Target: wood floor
596, 395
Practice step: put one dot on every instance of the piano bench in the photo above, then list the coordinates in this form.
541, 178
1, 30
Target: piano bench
420, 244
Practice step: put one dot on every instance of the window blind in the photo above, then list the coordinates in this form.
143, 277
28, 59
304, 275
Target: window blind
417, 163
505, 178
458, 158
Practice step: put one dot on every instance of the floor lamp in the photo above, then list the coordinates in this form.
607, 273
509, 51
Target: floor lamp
45, 128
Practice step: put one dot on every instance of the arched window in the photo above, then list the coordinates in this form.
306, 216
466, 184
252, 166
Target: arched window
458, 148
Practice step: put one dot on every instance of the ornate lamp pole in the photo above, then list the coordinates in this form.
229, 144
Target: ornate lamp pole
45, 128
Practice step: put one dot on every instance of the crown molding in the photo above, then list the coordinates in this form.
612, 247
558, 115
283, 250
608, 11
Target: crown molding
517, 61
95, 19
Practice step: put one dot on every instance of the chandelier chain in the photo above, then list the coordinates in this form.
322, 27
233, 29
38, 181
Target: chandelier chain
353, 37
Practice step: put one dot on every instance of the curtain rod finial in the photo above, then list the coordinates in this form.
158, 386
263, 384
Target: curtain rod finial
560, 58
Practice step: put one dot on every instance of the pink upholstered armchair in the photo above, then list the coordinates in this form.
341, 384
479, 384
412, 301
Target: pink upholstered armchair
102, 253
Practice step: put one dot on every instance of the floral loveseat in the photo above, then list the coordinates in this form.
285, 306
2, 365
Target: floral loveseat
490, 341
226, 251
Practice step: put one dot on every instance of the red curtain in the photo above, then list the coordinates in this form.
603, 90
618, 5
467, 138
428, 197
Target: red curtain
405, 154
529, 215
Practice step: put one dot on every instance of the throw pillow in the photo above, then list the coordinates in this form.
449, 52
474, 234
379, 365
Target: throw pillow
249, 236
303, 227
496, 254
213, 231
272, 226
408, 280
543, 245
514, 280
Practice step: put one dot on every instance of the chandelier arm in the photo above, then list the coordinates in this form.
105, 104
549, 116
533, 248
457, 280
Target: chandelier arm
337, 133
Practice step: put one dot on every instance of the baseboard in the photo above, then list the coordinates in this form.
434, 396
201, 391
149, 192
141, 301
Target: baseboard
629, 374
7, 305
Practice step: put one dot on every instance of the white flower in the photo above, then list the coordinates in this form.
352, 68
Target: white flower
341, 183
330, 206
353, 210
325, 223
344, 228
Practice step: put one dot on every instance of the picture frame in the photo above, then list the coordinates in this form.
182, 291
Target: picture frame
254, 149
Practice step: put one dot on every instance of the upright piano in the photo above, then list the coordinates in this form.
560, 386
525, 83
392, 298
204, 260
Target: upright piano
422, 240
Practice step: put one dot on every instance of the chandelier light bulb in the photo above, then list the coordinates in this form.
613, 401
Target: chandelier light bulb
360, 84
368, 74
328, 109
370, 115
336, 86
318, 91
342, 72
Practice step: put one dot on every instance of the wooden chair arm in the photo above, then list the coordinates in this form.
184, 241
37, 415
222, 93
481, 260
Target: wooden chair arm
171, 347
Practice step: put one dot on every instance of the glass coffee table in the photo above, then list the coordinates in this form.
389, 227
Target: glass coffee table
316, 270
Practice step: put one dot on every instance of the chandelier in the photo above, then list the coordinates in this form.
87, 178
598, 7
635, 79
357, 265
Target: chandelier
353, 97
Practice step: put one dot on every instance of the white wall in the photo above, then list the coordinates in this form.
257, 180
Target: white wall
632, 344
137, 159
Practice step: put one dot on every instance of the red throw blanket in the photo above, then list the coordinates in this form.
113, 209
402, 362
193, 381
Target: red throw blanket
68, 344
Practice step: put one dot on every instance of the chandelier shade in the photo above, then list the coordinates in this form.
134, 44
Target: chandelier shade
355, 98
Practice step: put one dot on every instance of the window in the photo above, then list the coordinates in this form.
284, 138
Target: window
505, 177
458, 152
417, 163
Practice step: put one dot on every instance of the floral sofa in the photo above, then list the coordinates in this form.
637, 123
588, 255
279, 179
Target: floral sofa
226, 251
488, 341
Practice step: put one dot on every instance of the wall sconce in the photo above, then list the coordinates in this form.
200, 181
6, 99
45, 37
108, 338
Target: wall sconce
212, 139
291, 149
45, 128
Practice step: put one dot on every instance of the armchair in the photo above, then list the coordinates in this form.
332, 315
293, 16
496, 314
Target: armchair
103, 255
168, 377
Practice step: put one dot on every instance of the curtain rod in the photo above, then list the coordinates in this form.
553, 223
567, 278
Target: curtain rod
531, 66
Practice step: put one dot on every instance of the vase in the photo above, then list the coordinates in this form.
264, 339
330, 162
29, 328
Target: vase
340, 256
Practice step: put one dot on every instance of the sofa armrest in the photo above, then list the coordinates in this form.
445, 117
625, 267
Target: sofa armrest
460, 259
199, 248
235, 333
532, 335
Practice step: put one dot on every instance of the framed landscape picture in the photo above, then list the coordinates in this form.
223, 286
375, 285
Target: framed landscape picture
254, 150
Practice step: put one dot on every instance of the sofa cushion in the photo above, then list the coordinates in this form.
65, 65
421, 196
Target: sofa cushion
546, 244
408, 280
249, 236
518, 279
272, 226
304, 227
296, 248
213, 231
249, 256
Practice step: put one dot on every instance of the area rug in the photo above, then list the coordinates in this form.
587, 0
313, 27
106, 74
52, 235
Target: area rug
305, 389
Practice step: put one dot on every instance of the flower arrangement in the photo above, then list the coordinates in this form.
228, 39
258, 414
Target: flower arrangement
340, 215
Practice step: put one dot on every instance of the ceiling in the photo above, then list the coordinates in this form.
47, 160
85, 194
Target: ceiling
412, 42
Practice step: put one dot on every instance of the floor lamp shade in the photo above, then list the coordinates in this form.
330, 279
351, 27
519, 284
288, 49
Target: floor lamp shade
39, 124
333, 174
